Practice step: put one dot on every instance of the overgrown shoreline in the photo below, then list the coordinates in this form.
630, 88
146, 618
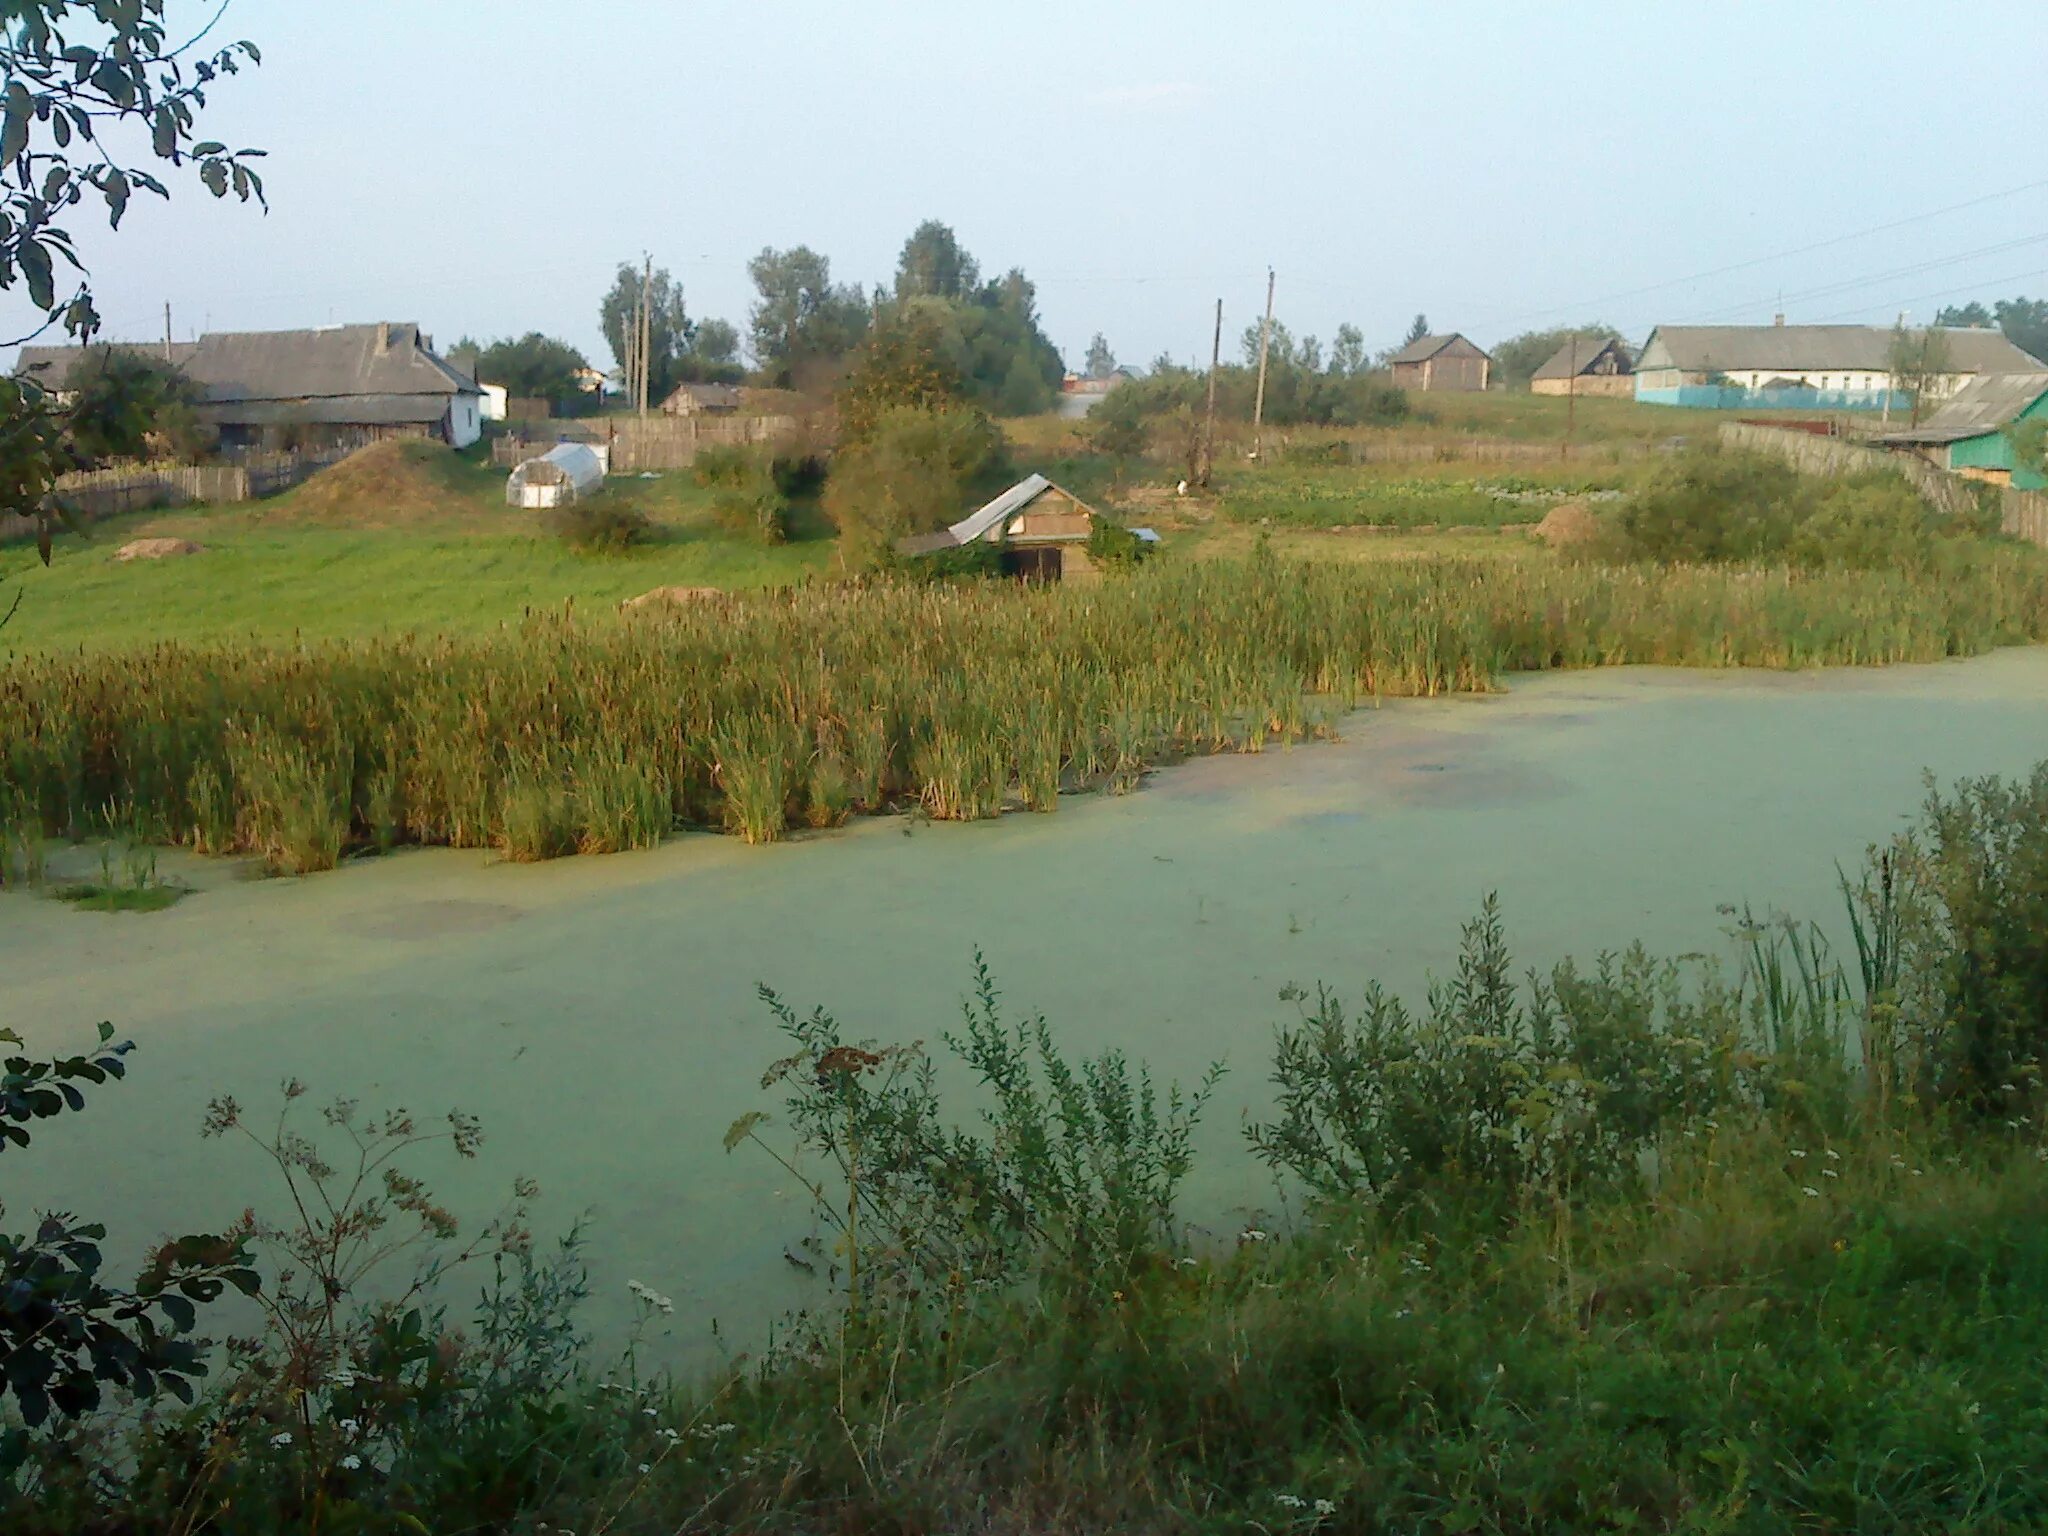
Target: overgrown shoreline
802, 708
1636, 1245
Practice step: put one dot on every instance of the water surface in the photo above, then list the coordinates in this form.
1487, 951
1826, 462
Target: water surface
599, 1014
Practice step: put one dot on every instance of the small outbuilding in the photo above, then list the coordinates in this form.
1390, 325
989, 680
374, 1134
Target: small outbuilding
566, 473
1441, 362
702, 400
1968, 435
1042, 532
1588, 365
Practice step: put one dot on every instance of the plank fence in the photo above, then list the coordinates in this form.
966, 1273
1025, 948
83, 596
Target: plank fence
2024, 514
659, 442
96, 493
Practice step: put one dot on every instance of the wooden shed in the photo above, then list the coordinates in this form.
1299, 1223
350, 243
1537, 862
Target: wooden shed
1042, 530
1441, 362
1588, 365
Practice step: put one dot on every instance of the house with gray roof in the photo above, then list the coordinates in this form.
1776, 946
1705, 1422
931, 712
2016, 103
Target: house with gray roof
1587, 365
340, 385
1441, 362
1040, 530
1806, 367
1971, 433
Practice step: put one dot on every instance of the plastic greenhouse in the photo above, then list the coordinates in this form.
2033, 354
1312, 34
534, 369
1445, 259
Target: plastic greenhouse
565, 473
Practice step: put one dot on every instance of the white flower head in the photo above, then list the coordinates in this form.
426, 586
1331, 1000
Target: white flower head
1809, 1191
351, 1462
1325, 1507
1289, 1501
282, 1438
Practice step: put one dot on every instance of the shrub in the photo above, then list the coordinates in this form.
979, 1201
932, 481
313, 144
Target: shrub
1709, 503
600, 524
1871, 522
1114, 545
910, 474
747, 496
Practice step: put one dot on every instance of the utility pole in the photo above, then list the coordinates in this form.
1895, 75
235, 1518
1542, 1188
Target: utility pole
646, 327
1571, 395
1259, 400
1209, 422
167, 330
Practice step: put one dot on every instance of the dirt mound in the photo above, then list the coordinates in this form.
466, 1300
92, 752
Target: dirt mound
669, 597
1569, 525
391, 482
157, 549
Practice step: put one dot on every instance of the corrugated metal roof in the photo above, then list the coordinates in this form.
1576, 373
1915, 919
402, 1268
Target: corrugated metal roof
1808, 348
1588, 352
1987, 404
238, 370
1000, 510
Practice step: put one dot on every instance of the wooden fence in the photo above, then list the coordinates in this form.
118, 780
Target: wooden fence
96, 493
659, 442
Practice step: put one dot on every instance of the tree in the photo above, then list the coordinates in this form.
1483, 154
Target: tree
1101, 361
1915, 360
1310, 354
1417, 329
717, 344
2025, 323
1972, 315
1347, 352
129, 405
71, 122
1279, 347
533, 367
802, 323
934, 266
668, 327
909, 474
903, 361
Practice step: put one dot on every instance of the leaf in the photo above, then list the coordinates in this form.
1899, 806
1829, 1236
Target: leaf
35, 267
14, 130
742, 1128
115, 190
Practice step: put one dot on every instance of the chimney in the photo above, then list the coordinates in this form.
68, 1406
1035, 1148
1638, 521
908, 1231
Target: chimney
1777, 319
383, 337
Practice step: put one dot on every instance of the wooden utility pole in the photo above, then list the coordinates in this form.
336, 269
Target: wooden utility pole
1259, 399
1571, 396
646, 326
1209, 421
167, 330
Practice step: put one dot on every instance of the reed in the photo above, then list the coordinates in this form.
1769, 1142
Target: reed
807, 705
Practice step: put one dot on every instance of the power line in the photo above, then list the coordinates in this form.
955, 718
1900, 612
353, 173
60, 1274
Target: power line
1850, 285
1983, 286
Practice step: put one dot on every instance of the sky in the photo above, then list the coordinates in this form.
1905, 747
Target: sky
484, 168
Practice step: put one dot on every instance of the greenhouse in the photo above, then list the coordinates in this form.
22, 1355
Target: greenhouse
565, 473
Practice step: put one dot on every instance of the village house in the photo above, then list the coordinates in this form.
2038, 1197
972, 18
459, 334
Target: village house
333, 385
1805, 367
1587, 365
1968, 435
702, 400
1042, 532
1441, 362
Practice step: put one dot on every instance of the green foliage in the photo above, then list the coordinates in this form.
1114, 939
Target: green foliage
747, 485
2030, 444
78, 75
802, 324
1870, 523
1296, 394
1119, 426
1101, 360
670, 333
1915, 359
1113, 545
1710, 504
534, 367
933, 265
902, 362
910, 473
128, 405
1417, 329
1071, 1187
2024, 321
604, 523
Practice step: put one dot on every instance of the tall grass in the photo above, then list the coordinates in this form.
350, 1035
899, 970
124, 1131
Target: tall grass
804, 706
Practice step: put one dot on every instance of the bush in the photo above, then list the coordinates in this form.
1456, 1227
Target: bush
1709, 504
746, 493
600, 524
1112, 544
1873, 522
910, 474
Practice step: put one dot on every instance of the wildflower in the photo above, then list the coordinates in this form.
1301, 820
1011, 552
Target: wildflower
1829, 1173
1810, 1192
351, 1462
645, 1468
1325, 1507
350, 1427
670, 1436
1289, 1501
1797, 1153
723, 1429
342, 1378
282, 1439
1832, 1155
1252, 1235
652, 1413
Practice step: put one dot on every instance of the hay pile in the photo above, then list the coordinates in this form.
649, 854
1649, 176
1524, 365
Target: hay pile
157, 549
392, 482
1569, 525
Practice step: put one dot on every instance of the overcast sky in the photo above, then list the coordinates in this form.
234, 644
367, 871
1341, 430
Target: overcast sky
483, 167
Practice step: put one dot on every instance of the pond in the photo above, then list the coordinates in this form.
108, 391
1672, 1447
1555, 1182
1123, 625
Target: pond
600, 1014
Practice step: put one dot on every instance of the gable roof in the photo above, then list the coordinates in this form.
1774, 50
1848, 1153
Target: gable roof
718, 397
991, 514
243, 372
1589, 350
1984, 405
1423, 348
1804, 348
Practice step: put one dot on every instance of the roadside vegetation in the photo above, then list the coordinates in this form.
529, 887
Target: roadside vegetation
1636, 1245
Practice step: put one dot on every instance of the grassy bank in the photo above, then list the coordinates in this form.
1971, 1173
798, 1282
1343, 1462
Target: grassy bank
1636, 1245
806, 707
